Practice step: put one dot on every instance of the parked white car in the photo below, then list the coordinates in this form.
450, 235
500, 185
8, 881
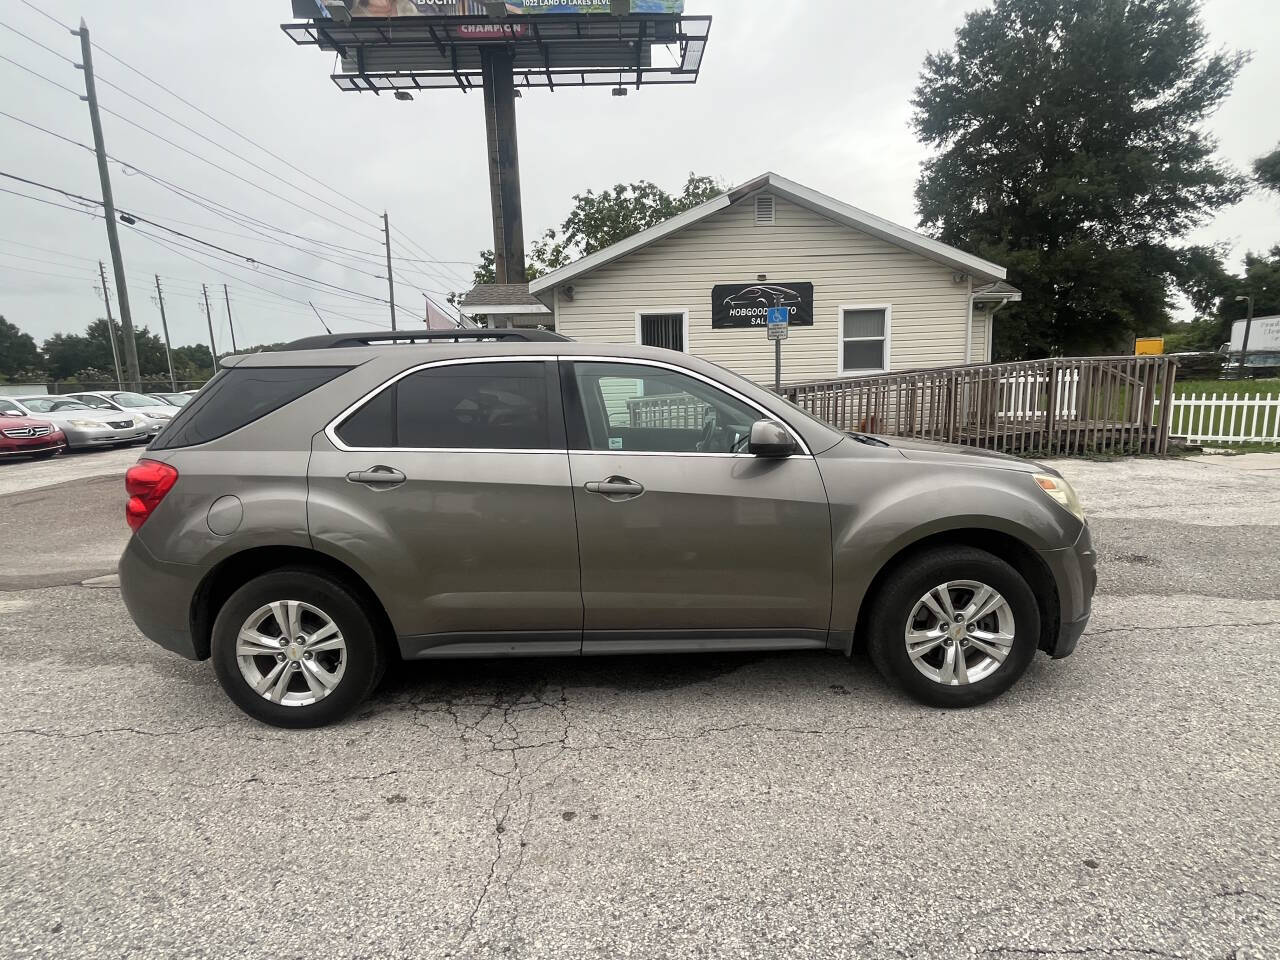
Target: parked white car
155, 413
83, 425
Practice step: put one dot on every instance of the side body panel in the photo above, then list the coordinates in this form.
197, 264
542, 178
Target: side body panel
475, 547
882, 503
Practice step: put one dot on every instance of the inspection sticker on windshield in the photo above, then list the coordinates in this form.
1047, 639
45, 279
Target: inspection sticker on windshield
615, 443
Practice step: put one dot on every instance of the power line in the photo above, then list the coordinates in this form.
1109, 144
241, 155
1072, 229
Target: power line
178, 233
429, 258
13, 29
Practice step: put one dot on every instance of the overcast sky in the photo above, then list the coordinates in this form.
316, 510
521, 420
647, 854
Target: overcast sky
811, 90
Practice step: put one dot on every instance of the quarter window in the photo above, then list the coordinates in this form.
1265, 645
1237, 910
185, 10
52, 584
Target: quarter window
864, 339
469, 406
639, 409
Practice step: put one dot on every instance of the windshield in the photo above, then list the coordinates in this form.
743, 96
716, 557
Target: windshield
51, 404
132, 400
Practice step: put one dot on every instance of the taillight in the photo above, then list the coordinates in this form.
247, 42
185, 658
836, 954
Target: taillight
147, 482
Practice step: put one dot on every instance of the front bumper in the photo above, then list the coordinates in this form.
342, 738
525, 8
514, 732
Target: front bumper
29, 446
78, 437
1075, 570
158, 597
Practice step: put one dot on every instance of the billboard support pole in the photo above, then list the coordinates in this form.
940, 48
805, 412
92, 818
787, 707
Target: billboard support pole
109, 210
504, 165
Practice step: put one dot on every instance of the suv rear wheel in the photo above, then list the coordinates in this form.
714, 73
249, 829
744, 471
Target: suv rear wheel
293, 648
954, 627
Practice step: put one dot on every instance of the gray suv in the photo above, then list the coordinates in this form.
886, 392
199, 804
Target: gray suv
315, 513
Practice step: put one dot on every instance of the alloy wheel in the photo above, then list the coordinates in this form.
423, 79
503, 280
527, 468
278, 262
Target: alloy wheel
291, 653
960, 632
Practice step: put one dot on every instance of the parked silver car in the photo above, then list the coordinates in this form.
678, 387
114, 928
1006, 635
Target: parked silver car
319, 510
154, 412
83, 425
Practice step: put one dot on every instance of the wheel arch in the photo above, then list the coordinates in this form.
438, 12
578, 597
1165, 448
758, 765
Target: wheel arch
1009, 548
233, 572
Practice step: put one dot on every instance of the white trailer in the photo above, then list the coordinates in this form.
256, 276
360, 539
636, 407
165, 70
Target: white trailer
1264, 342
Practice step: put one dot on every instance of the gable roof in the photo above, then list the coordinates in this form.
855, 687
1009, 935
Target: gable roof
979, 269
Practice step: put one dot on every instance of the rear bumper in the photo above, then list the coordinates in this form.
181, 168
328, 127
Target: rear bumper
1075, 572
158, 597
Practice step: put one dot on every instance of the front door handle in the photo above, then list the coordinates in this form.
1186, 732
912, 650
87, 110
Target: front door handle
616, 488
378, 476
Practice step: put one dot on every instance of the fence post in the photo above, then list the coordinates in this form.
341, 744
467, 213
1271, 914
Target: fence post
1170, 372
1051, 416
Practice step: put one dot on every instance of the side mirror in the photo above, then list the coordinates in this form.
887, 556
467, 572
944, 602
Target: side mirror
769, 438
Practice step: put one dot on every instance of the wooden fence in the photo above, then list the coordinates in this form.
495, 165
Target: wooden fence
1038, 407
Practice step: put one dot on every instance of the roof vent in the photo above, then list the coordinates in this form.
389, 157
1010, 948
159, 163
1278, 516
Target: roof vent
764, 211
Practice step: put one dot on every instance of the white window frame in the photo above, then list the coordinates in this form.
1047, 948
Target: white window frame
841, 340
659, 311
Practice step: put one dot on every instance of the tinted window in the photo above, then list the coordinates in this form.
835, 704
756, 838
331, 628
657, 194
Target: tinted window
632, 408
236, 398
473, 406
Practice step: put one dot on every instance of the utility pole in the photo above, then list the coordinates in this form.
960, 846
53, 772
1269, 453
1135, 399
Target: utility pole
391, 283
318, 317
230, 325
208, 315
1248, 328
111, 324
164, 325
504, 164
109, 209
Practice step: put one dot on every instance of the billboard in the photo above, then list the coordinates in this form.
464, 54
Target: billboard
479, 8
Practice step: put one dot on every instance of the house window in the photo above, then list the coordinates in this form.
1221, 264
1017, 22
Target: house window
864, 339
665, 330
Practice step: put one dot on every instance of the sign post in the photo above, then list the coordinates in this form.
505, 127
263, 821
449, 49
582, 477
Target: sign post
779, 328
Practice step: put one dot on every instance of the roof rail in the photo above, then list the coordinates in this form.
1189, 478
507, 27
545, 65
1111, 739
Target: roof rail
336, 340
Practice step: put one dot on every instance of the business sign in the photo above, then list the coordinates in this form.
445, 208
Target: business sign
735, 305
480, 8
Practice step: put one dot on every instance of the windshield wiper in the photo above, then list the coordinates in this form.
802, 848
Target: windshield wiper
870, 441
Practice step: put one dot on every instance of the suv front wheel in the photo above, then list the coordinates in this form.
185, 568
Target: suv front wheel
293, 648
954, 627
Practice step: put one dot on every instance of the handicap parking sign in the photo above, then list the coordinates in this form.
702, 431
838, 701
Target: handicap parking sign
779, 323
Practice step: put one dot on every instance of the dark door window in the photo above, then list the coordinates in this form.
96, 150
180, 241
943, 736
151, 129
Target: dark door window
664, 330
468, 406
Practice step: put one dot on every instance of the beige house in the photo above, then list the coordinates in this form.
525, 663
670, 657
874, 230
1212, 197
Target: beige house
864, 295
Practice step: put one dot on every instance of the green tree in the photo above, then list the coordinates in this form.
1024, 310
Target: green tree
1069, 147
67, 354
598, 220
1218, 307
1267, 170
18, 351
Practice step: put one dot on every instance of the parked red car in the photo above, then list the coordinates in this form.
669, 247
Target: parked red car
24, 437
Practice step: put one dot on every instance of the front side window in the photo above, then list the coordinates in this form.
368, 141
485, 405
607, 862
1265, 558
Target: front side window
631, 408
468, 406
864, 339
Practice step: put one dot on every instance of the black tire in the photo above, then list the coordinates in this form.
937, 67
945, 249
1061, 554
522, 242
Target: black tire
365, 657
903, 589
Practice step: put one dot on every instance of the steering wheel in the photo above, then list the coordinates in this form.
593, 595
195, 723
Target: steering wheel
710, 427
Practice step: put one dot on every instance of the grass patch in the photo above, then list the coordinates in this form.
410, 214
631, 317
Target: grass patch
1245, 388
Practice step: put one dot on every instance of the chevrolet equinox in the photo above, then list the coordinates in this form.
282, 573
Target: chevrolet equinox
314, 513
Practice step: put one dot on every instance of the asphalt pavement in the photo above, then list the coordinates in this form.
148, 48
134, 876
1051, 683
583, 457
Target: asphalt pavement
1123, 803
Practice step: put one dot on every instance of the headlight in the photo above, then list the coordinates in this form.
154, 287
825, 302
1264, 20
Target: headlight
1062, 492
88, 424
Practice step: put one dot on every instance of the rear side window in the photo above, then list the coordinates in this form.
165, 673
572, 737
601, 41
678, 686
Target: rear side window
236, 398
471, 406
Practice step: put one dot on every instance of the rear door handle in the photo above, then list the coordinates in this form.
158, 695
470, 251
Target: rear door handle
378, 476
619, 487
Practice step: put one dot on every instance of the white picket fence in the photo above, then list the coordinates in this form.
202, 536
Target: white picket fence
1219, 418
